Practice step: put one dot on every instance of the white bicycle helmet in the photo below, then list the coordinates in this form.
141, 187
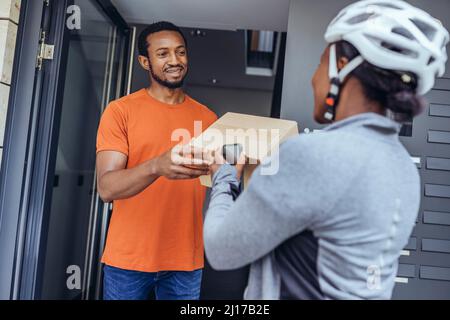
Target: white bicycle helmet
393, 35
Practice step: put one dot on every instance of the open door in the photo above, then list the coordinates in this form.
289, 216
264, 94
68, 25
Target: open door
83, 48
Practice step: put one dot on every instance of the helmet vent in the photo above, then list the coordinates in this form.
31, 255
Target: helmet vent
361, 18
399, 50
432, 59
392, 48
403, 32
426, 29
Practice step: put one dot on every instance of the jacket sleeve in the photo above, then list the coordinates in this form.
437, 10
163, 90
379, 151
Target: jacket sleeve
271, 209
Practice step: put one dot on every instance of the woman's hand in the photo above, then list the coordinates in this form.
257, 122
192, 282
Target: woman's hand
218, 161
242, 161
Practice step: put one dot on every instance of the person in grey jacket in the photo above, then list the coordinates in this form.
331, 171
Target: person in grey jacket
331, 223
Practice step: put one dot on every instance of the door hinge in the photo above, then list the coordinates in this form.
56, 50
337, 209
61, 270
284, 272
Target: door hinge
45, 51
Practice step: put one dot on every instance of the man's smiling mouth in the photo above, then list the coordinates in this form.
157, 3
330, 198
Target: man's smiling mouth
174, 70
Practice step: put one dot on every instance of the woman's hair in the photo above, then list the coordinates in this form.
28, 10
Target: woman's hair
393, 90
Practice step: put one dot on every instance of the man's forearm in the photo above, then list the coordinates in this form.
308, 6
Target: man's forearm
125, 183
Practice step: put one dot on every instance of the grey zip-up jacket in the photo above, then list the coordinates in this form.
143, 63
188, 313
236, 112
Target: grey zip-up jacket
330, 224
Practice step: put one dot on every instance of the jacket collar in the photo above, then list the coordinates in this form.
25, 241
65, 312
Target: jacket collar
368, 120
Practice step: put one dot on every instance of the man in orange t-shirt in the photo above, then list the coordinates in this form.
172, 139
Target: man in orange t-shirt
155, 238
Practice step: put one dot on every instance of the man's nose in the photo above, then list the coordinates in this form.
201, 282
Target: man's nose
173, 59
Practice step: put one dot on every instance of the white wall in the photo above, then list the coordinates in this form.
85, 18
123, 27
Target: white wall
9, 19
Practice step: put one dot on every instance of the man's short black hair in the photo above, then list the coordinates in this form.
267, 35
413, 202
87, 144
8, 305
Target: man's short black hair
153, 28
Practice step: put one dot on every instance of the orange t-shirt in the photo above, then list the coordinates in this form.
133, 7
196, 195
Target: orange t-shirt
159, 229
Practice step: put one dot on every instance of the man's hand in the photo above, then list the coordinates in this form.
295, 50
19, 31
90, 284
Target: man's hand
115, 181
182, 162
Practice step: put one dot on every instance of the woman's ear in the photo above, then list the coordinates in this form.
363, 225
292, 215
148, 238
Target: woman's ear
144, 62
342, 62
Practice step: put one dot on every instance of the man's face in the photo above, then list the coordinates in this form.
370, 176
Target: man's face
321, 86
168, 61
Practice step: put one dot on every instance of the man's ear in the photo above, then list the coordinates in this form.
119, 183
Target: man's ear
144, 62
342, 62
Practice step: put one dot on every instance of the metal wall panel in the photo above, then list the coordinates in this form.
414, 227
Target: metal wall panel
436, 245
439, 110
435, 273
438, 164
406, 270
432, 217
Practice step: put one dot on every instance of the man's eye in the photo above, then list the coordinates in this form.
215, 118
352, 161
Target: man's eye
182, 53
162, 55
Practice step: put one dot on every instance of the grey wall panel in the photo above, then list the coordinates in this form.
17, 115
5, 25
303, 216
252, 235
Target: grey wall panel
427, 258
436, 245
435, 190
439, 110
439, 136
433, 217
406, 270
438, 164
435, 273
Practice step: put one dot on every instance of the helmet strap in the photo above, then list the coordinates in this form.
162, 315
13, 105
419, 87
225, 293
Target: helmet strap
336, 80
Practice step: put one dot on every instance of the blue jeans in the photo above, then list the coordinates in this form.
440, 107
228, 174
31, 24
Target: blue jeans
120, 284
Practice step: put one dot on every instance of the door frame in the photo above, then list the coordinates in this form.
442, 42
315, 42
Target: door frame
15, 169
29, 155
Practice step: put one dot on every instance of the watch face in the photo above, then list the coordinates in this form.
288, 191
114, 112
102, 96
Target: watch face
231, 152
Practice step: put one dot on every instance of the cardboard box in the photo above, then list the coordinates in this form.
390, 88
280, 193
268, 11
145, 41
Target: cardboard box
258, 136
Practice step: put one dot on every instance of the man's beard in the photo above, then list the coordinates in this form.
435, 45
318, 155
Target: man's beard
165, 83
